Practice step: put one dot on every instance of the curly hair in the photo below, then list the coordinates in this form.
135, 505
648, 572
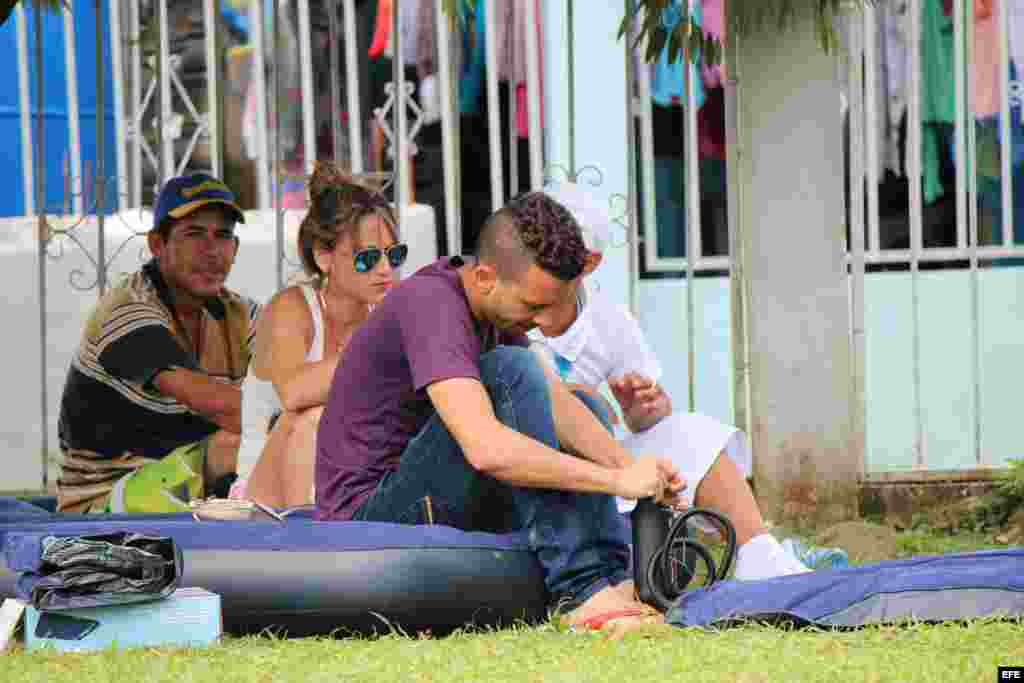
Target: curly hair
533, 228
337, 203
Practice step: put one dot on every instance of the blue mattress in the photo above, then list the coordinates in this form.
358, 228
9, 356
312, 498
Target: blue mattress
935, 588
315, 577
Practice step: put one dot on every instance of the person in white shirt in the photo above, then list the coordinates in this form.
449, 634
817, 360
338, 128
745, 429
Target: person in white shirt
593, 340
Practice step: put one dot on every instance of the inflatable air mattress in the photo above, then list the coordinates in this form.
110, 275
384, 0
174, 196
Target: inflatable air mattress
310, 578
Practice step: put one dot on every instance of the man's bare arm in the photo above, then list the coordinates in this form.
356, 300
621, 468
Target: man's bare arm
579, 430
498, 451
219, 402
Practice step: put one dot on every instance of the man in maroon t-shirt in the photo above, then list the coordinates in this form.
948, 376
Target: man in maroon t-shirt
439, 414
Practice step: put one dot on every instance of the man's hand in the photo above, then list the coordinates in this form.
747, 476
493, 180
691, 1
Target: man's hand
650, 477
596, 395
643, 401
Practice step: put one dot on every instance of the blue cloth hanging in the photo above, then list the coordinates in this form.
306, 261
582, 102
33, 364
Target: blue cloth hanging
667, 81
475, 65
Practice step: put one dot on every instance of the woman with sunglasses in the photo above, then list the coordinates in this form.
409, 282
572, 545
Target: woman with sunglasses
349, 249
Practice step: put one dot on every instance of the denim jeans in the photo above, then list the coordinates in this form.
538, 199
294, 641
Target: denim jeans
580, 539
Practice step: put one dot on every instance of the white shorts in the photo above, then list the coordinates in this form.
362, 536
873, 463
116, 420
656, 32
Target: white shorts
693, 442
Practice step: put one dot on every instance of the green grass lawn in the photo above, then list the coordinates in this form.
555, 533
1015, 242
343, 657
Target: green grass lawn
953, 652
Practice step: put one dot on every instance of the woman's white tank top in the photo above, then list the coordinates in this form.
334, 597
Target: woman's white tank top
260, 401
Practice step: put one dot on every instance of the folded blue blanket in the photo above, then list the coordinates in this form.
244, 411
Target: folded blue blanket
935, 588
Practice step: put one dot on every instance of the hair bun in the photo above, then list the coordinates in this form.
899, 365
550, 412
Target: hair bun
327, 174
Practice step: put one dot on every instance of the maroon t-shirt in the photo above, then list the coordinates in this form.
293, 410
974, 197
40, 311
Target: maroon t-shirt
423, 332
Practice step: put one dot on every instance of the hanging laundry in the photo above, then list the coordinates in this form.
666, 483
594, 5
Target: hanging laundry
426, 41
938, 101
986, 58
894, 41
471, 80
382, 30
521, 44
714, 25
408, 18
667, 80
508, 36
1015, 26
711, 126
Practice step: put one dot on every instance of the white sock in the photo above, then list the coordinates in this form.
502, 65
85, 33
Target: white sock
762, 557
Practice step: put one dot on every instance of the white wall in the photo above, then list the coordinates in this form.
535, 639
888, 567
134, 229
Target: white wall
946, 362
600, 86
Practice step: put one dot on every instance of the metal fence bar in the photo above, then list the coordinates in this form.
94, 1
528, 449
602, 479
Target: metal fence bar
401, 147
971, 153
570, 45
166, 110
533, 81
277, 176
871, 95
914, 152
42, 237
632, 186
493, 110
691, 191
647, 179
959, 74
940, 254
449, 142
691, 155
259, 83
355, 118
306, 80
117, 65
137, 108
739, 286
211, 14
857, 77
333, 36
74, 120
1005, 144
513, 140
25, 111
970, 160
100, 176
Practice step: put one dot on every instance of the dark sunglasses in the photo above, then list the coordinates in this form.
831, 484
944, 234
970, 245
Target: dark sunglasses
367, 259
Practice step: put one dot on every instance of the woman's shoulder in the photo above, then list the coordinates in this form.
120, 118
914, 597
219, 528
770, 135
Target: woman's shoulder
288, 307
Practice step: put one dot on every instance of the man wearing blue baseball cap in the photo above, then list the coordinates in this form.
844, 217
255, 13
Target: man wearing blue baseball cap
151, 410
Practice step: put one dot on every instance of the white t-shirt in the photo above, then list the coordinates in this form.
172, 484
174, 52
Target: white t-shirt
604, 342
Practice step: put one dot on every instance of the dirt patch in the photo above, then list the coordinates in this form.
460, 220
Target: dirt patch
1013, 531
862, 541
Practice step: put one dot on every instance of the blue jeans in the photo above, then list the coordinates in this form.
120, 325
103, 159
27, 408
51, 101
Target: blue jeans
580, 539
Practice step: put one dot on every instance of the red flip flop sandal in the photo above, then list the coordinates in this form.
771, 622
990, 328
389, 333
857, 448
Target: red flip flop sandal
599, 621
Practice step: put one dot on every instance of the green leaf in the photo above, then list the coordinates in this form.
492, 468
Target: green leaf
749, 17
675, 46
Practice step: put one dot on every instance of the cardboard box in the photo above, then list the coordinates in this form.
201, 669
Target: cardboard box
188, 617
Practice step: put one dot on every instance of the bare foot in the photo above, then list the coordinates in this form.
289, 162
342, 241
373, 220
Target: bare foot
615, 610
608, 599
627, 588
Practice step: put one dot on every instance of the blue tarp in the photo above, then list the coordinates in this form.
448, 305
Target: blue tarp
56, 149
934, 588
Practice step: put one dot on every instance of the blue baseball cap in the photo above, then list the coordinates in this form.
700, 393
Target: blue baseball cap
182, 195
